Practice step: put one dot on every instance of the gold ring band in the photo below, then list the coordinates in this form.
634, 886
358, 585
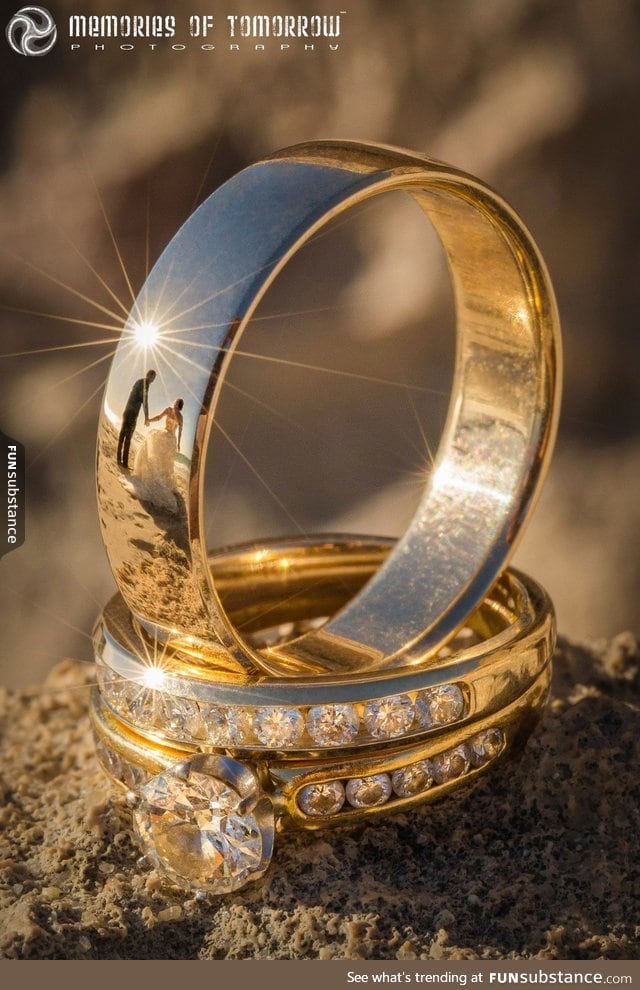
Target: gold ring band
319, 681
284, 780
206, 809
495, 446
207, 821
163, 697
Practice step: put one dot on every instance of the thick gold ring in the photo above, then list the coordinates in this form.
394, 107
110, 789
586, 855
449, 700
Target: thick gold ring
506, 643
495, 447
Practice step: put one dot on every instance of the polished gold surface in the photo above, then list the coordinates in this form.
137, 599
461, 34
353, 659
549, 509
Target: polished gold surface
507, 642
283, 781
511, 635
281, 581
494, 451
286, 580
213, 760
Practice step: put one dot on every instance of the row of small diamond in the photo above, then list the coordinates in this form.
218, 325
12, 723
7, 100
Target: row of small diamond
329, 798
325, 799
279, 727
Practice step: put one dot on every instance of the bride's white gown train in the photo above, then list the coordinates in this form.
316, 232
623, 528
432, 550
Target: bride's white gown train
153, 479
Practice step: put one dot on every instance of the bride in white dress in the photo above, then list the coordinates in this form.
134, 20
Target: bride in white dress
153, 478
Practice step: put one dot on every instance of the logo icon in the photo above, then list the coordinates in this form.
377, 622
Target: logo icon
32, 31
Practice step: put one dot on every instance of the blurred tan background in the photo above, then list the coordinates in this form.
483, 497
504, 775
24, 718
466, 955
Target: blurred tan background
539, 98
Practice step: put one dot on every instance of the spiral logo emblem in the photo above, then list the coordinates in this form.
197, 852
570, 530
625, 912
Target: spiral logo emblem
32, 31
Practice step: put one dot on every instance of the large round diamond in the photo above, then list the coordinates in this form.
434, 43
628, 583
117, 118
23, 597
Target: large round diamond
193, 825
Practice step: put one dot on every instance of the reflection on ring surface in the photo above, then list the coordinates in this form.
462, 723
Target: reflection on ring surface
166, 379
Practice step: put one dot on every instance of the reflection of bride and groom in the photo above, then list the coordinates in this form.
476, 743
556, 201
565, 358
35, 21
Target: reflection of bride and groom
153, 477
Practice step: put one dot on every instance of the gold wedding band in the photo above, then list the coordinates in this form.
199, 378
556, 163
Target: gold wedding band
495, 446
508, 640
133, 761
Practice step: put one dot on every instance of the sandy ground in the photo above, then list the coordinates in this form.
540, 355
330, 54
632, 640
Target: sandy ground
538, 859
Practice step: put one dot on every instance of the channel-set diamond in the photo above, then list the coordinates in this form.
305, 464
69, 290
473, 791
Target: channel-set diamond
413, 779
439, 705
332, 725
132, 776
109, 761
179, 717
367, 792
278, 727
229, 726
485, 746
451, 764
115, 766
141, 706
225, 725
389, 717
114, 688
322, 799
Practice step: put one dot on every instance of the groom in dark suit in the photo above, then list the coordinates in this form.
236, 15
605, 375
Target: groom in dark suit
138, 396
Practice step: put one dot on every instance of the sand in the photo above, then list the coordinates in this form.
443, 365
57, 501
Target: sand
538, 859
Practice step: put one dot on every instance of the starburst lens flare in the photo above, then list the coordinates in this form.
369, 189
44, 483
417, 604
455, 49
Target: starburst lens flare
145, 334
153, 678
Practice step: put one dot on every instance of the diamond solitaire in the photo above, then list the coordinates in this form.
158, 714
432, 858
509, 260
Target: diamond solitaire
203, 824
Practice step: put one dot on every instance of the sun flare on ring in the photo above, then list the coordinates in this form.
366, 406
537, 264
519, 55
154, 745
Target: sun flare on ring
145, 334
153, 678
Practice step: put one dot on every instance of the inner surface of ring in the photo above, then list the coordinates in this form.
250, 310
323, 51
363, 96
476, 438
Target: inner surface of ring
495, 444
506, 643
248, 576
